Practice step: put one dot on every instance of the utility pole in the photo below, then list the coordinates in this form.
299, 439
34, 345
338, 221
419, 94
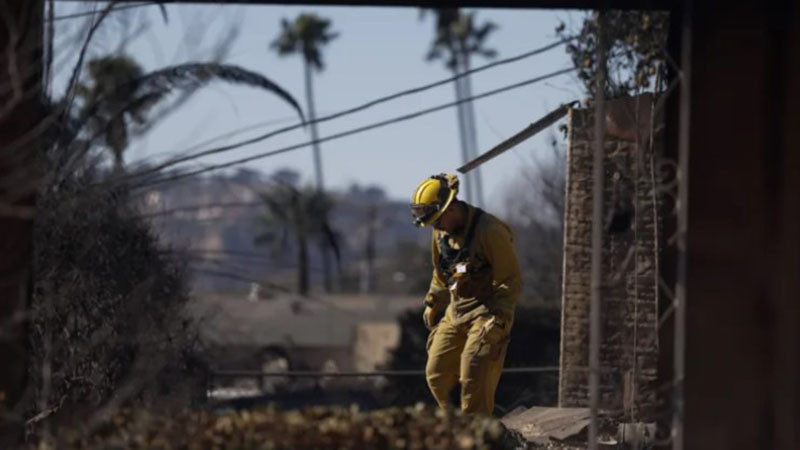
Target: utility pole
472, 132
462, 131
597, 233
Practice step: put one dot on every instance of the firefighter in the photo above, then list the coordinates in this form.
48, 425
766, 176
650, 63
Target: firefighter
476, 282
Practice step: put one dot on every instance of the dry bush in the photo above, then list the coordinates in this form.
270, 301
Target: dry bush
107, 326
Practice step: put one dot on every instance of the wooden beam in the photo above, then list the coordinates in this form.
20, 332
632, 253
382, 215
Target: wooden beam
518, 138
742, 285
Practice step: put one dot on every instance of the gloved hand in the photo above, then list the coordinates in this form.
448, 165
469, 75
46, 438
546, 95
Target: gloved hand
428, 316
496, 328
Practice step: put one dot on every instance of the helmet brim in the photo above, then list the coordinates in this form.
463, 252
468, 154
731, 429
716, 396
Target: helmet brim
428, 221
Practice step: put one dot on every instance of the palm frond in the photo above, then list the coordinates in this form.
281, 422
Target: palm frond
163, 10
455, 29
286, 43
198, 74
332, 239
156, 85
489, 53
306, 35
483, 32
103, 126
331, 36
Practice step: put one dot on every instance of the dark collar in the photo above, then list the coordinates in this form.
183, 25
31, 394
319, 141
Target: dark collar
460, 234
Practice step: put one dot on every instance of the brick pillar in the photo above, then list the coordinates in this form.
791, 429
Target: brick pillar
629, 319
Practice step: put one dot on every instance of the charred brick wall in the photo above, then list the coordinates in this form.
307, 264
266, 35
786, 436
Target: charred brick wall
629, 319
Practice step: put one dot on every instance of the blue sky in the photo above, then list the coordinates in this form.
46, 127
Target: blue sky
379, 51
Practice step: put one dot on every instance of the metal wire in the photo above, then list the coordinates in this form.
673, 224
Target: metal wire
683, 200
377, 373
347, 133
361, 107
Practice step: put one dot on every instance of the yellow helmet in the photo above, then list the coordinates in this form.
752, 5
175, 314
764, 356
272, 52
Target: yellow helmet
432, 197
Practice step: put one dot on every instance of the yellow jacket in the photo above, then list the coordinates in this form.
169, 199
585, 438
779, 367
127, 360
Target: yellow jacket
495, 282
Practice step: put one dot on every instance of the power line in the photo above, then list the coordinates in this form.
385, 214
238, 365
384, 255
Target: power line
353, 110
229, 275
190, 208
224, 252
222, 257
352, 131
236, 277
232, 133
196, 262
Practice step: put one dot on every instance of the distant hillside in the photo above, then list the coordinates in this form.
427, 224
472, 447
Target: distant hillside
214, 221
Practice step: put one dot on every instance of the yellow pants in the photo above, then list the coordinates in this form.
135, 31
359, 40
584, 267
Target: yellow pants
470, 353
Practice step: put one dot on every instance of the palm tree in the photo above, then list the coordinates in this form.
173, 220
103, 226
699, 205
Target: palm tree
457, 38
367, 280
302, 214
306, 36
107, 100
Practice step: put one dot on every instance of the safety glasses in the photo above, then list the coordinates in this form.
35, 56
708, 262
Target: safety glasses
423, 212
